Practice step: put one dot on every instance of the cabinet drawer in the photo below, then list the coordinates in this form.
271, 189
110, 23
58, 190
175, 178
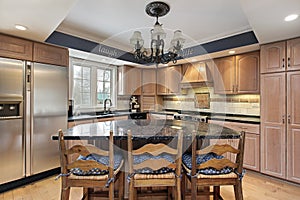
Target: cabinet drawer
249, 128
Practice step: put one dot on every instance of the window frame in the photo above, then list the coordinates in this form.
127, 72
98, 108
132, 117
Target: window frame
94, 65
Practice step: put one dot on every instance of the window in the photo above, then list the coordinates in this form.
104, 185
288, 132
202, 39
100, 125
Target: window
103, 85
91, 83
82, 85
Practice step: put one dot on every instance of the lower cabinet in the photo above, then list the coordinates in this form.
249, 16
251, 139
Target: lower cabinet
252, 143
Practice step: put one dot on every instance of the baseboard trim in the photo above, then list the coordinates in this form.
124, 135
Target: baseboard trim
27, 180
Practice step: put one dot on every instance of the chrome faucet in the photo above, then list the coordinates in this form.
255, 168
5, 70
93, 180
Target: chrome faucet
105, 102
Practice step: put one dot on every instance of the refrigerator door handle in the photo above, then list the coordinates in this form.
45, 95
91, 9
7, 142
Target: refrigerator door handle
28, 119
28, 76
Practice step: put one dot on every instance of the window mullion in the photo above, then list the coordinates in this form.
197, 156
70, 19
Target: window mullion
94, 86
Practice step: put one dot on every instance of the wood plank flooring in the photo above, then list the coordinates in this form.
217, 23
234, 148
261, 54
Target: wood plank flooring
255, 187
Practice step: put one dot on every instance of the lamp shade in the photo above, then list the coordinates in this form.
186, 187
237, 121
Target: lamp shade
178, 39
158, 32
136, 38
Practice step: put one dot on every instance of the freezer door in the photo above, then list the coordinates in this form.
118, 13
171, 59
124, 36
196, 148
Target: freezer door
49, 113
11, 78
11, 150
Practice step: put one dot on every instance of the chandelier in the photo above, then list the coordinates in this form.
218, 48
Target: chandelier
157, 54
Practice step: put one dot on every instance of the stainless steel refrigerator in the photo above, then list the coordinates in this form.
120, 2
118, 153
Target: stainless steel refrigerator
39, 94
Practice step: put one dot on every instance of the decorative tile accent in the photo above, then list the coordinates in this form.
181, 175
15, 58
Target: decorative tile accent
202, 100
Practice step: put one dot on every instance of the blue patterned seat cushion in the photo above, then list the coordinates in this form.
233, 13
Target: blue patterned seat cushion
141, 158
187, 161
100, 159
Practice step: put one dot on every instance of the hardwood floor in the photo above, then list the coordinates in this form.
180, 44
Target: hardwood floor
255, 187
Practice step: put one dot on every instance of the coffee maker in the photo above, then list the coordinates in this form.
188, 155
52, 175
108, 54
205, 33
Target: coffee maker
134, 105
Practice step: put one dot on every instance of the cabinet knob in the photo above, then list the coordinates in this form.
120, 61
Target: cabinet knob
289, 61
282, 62
289, 119
283, 121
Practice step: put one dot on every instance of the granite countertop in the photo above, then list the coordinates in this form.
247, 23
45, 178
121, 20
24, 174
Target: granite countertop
211, 116
145, 129
100, 115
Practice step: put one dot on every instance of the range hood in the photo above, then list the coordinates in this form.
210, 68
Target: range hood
198, 74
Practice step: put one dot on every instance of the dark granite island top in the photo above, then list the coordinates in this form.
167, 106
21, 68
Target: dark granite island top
145, 129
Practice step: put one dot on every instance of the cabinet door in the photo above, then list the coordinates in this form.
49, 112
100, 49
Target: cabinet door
148, 103
224, 75
273, 135
161, 81
149, 81
129, 80
293, 54
11, 47
247, 73
173, 79
272, 57
48, 54
293, 126
251, 152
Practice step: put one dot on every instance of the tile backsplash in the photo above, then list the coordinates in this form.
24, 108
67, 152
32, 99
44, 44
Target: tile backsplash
233, 104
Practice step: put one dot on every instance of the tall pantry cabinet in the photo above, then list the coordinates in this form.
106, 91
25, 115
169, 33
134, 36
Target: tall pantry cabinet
280, 109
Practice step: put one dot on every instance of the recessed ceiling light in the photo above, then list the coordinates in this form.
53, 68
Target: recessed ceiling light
291, 17
20, 27
231, 52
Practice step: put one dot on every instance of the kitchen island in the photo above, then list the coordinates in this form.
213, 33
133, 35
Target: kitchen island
155, 129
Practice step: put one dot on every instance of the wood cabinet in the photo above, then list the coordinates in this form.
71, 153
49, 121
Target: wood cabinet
247, 73
12, 47
148, 103
280, 108
237, 74
280, 56
280, 119
129, 80
224, 75
149, 81
273, 57
252, 143
49, 54
17, 48
293, 126
168, 80
273, 132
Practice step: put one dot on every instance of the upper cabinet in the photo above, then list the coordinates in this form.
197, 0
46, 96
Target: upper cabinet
224, 75
149, 81
247, 73
49, 54
280, 56
293, 54
237, 74
168, 80
12, 47
129, 80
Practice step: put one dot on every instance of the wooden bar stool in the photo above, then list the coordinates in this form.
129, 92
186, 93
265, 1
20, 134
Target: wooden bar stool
95, 168
155, 165
207, 167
